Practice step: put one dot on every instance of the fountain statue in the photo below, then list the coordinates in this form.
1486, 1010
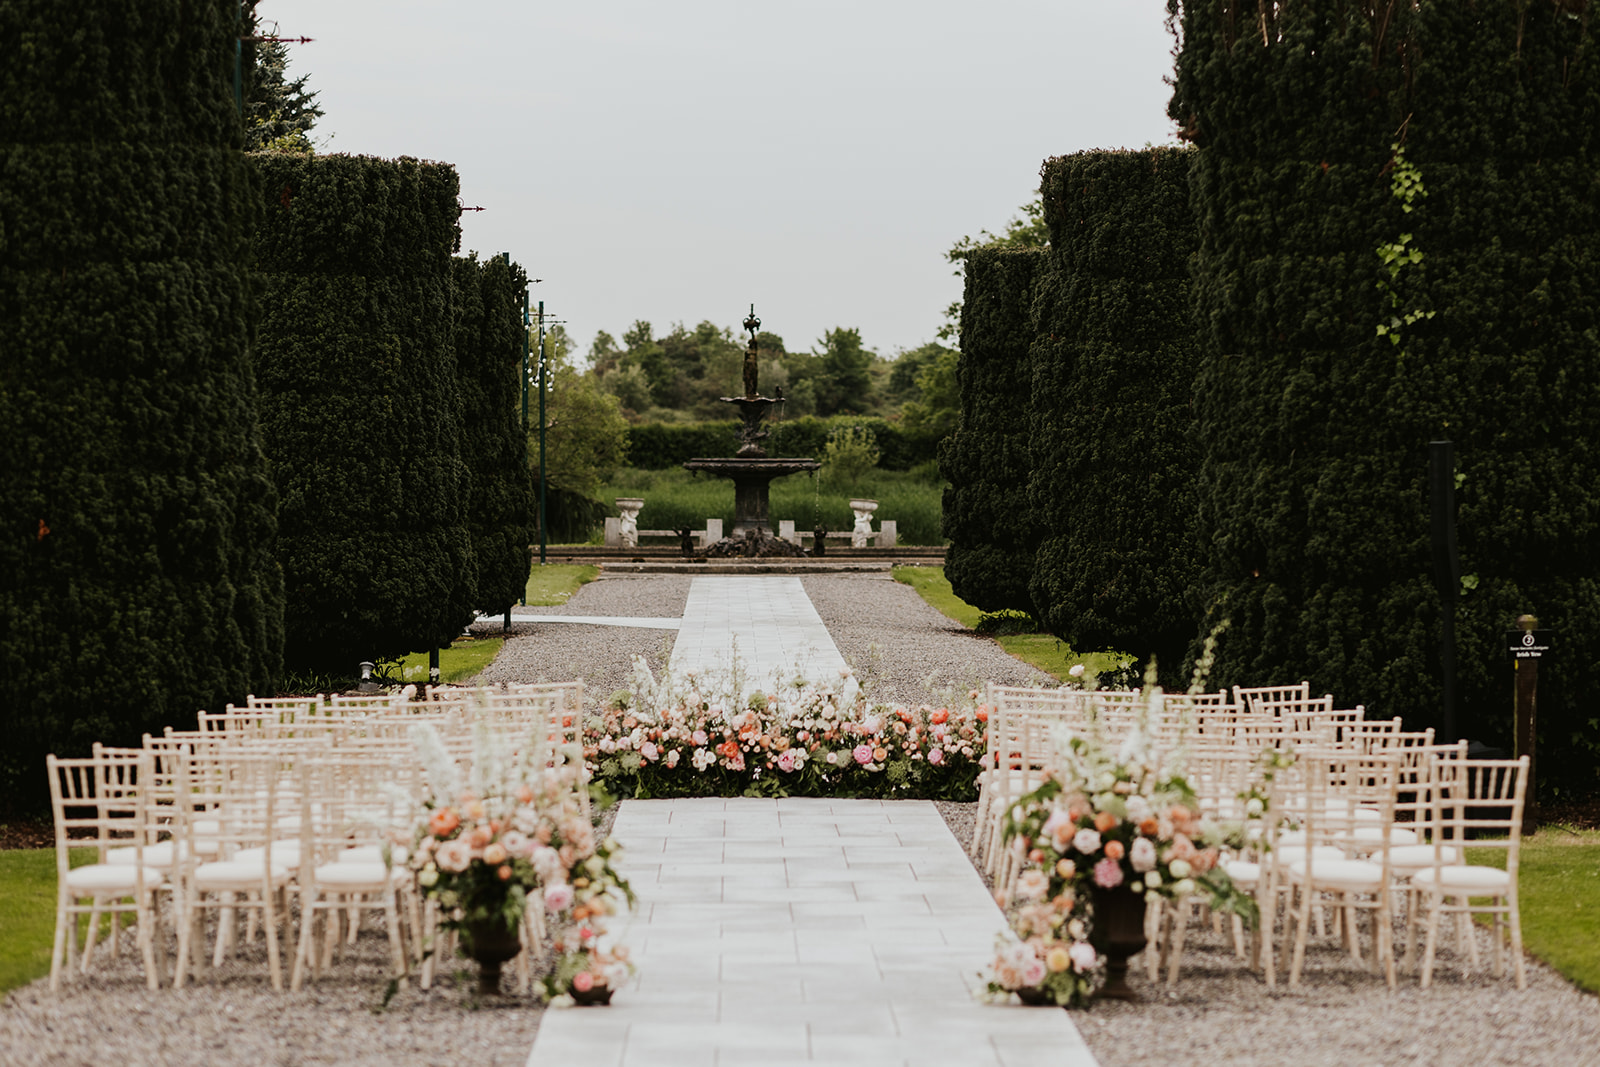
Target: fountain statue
751, 469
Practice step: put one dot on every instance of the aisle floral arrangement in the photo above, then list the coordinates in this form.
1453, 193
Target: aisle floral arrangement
519, 831
1105, 817
703, 734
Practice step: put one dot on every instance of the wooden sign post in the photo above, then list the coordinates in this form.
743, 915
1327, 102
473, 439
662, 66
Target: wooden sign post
1528, 645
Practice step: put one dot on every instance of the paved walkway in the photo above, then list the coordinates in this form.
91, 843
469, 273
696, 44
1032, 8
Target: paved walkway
774, 932
768, 624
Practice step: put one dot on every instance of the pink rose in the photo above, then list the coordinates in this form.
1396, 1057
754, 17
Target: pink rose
1083, 955
863, 754
1107, 874
786, 762
936, 756
583, 981
1086, 840
698, 737
557, 897
1033, 972
454, 856
649, 751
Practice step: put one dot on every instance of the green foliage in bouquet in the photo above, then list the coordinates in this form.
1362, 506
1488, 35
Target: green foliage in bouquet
361, 404
137, 576
986, 460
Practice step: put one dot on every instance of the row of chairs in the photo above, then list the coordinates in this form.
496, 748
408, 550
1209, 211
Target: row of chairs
1362, 816
279, 806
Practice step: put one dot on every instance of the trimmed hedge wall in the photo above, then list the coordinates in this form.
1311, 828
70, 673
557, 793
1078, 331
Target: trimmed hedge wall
1506, 135
1314, 497
990, 551
1112, 490
659, 445
502, 513
137, 575
361, 406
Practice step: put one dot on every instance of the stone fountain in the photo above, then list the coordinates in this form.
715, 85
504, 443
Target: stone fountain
751, 469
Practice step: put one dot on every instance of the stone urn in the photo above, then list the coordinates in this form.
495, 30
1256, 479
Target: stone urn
1117, 932
861, 535
628, 522
489, 943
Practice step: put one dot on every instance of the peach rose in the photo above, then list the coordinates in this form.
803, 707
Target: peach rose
1114, 850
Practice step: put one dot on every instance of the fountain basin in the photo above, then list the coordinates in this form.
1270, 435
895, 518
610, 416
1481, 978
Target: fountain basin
751, 478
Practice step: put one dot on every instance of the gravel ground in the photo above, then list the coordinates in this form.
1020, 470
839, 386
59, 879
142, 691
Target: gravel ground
1219, 1011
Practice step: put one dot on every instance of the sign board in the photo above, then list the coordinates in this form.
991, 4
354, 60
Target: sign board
1529, 644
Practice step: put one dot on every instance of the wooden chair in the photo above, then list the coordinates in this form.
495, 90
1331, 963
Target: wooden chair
1477, 808
106, 794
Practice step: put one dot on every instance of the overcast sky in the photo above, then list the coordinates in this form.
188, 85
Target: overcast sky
677, 161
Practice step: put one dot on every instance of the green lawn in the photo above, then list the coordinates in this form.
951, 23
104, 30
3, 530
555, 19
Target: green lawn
1560, 885
28, 912
461, 661
552, 584
1050, 655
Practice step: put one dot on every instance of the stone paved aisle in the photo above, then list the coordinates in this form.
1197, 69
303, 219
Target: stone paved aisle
769, 622
774, 932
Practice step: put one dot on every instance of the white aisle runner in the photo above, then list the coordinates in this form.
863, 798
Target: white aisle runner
769, 623
789, 931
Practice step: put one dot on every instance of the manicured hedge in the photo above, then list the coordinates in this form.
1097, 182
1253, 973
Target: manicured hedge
137, 576
656, 446
1315, 427
361, 407
490, 338
1112, 486
1506, 135
986, 462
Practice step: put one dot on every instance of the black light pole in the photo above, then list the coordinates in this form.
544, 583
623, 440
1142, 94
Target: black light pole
543, 533
1446, 570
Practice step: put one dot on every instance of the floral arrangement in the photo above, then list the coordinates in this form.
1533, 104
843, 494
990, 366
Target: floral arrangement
1104, 819
703, 733
517, 830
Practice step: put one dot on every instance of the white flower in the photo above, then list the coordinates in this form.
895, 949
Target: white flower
1184, 887
1254, 807
1086, 840
1138, 808
1142, 855
1179, 868
1152, 879
1076, 671
1083, 955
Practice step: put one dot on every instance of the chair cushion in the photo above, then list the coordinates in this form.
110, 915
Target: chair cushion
1297, 853
1373, 835
1416, 857
374, 854
103, 877
1243, 872
237, 874
1486, 881
157, 855
285, 853
1348, 873
353, 873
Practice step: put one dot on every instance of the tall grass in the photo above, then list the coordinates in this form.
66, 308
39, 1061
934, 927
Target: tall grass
674, 498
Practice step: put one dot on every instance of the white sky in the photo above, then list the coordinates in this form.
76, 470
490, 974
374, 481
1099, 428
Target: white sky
675, 161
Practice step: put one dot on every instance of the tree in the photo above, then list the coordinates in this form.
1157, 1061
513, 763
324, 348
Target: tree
843, 378
937, 405
586, 434
1027, 230
278, 113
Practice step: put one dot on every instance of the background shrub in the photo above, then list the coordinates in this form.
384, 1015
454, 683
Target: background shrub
137, 577
361, 404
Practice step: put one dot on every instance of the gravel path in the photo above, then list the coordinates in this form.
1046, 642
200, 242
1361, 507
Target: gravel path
1219, 1012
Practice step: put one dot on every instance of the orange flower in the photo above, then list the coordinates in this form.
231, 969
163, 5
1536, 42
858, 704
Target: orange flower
983, 713
504, 873
1180, 815
1149, 827
1104, 821
939, 716
480, 837
443, 822
1114, 850
880, 754
524, 794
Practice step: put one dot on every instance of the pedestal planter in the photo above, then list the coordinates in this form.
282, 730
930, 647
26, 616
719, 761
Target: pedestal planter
600, 994
1117, 933
491, 944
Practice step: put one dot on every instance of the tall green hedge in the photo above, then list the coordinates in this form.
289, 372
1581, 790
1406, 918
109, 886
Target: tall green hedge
986, 519
659, 445
490, 338
1112, 489
1505, 132
1315, 426
360, 404
137, 577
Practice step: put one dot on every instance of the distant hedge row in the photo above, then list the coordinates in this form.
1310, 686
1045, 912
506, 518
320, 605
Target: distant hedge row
361, 410
657, 446
986, 460
490, 341
137, 576
1112, 490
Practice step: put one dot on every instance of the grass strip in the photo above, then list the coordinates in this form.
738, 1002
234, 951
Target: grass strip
552, 584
